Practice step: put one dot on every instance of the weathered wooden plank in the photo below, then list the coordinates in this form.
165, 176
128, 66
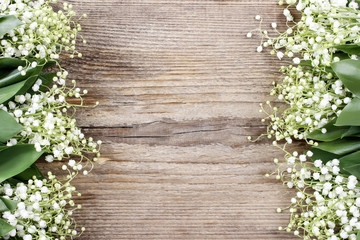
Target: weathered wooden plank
179, 87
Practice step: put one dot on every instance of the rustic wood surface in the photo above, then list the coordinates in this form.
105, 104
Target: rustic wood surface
179, 86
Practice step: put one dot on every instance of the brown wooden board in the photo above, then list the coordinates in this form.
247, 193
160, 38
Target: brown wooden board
179, 86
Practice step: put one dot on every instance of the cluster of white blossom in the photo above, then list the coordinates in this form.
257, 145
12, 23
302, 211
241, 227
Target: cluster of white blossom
313, 94
323, 25
313, 98
45, 207
47, 124
44, 34
44, 210
327, 203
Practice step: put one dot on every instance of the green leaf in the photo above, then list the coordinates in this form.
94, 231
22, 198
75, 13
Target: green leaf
9, 127
341, 146
14, 63
6, 93
349, 73
352, 131
11, 62
5, 227
49, 63
11, 205
341, 55
352, 49
15, 76
47, 80
323, 155
8, 23
13, 181
9, 91
350, 115
33, 170
353, 170
358, 235
17, 159
3, 207
305, 63
349, 160
7, 205
3, 147
333, 132
27, 85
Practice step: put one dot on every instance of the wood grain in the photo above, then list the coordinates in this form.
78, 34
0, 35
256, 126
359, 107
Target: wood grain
179, 86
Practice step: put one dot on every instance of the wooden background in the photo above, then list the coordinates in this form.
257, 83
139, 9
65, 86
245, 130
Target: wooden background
179, 86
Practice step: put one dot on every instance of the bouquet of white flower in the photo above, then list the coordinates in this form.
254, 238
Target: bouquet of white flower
34, 121
321, 89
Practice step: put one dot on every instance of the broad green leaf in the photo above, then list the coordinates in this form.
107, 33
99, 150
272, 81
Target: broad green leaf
49, 63
352, 131
14, 63
3, 147
350, 115
353, 49
349, 160
349, 73
6, 93
323, 155
33, 170
5, 227
11, 62
13, 181
8, 23
15, 76
27, 85
305, 63
47, 80
358, 235
9, 127
341, 55
353, 170
3, 207
9, 91
17, 159
341, 146
11, 205
332, 132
